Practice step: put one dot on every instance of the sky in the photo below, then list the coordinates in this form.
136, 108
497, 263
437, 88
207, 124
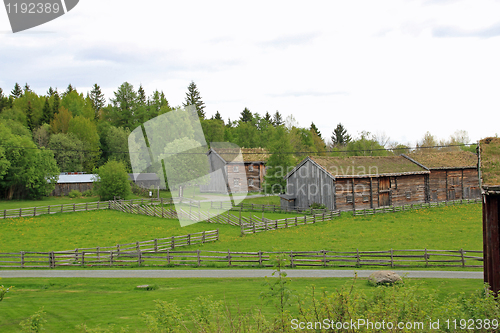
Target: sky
395, 68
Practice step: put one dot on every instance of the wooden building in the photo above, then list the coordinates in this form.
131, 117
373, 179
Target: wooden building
242, 174
489, 161
69, 181
145, 180
347, 183
453, 175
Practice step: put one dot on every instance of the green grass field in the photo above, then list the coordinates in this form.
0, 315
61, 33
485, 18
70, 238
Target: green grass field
69, 302
443, 228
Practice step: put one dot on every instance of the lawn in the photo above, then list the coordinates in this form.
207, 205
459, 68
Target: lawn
69, 302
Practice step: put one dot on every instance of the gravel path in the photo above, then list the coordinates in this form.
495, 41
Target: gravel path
224, 273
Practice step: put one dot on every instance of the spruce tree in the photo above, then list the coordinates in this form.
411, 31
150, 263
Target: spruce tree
50, 92
55, 104
98, 99
193, 98
26, 88
68, 90
47, 112
246, 116
340, 136
277, 119
217, 116
268, 117
17, 91
316, 130
141, 95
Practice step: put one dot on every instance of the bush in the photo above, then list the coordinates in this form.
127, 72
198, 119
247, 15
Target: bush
74, 194
112, 180
316, 205
88, 193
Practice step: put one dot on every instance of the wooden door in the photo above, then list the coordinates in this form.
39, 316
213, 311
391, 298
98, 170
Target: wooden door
384, 192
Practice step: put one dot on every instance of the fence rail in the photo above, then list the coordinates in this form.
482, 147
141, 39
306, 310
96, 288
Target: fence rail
166, 257
393, 209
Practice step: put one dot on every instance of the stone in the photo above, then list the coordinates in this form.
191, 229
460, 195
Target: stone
384, 277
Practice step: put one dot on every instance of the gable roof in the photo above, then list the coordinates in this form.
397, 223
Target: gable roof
82, 178
363, 166
490, 161
248, 154
445, 160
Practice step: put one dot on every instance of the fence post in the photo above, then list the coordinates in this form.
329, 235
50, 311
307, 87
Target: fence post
203, 237
48, 209
291, 259
358, 259
118, 249
217, 234
110, 258
254, 231
392, 258
97, 204
168, 257
260, 258
22, 259
286, 222
463, 259
156, 245
189, 239
74, 207
199, 261
86, 206
137, 246
172, 243
34, 211
139, 258
324, 258
5, 213
62, 208
296, 224
229, 257
83, 258
426, 258
20, 212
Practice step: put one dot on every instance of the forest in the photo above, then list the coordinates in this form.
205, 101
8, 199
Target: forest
69, 131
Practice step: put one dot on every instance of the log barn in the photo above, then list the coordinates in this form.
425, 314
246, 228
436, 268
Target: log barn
489, 162
356, 182
69, 181
242, 175
453, 175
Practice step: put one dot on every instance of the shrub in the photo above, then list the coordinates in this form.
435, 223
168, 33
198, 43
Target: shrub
74, 194
88, 193
112, 180
316, 205
34, 324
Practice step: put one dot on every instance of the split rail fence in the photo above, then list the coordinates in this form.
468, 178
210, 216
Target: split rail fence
166, 257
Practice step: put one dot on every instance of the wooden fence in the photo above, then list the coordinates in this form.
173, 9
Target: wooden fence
393, 209
110, 255
255, 224
327, 259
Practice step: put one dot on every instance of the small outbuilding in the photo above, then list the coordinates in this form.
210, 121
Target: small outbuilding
145, 180
245, 174
347, 183
453, 175
69, 181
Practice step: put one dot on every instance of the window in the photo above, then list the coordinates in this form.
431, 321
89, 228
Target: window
250, 182
250, 167
236, 182
349, 199
235, 168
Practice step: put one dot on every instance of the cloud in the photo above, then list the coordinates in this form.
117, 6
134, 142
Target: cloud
447, 31
290, 40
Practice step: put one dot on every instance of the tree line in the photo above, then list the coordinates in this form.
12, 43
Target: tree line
69, 131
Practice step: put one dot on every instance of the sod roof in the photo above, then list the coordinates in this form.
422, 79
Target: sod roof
445, 160
367, 165
249, 154
490, 161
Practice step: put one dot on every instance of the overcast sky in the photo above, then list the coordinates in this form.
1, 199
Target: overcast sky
399, 67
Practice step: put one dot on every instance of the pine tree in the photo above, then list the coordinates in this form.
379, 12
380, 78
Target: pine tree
141, 95
340, 136
268, 117
316, 130
193, 98
68, 90
26, 88
17, 91
50, 92
217, 116
98, 99
277, 119
246, 116
29, 116
47, 112
55, 104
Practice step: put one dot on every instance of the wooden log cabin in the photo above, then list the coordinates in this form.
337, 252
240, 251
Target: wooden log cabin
347, 183
243, 174
453, 175
69, 181
489, 162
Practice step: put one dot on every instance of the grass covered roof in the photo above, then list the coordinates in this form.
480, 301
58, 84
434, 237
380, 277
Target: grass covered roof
490, 161
449, 159
249, 154
367, 165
